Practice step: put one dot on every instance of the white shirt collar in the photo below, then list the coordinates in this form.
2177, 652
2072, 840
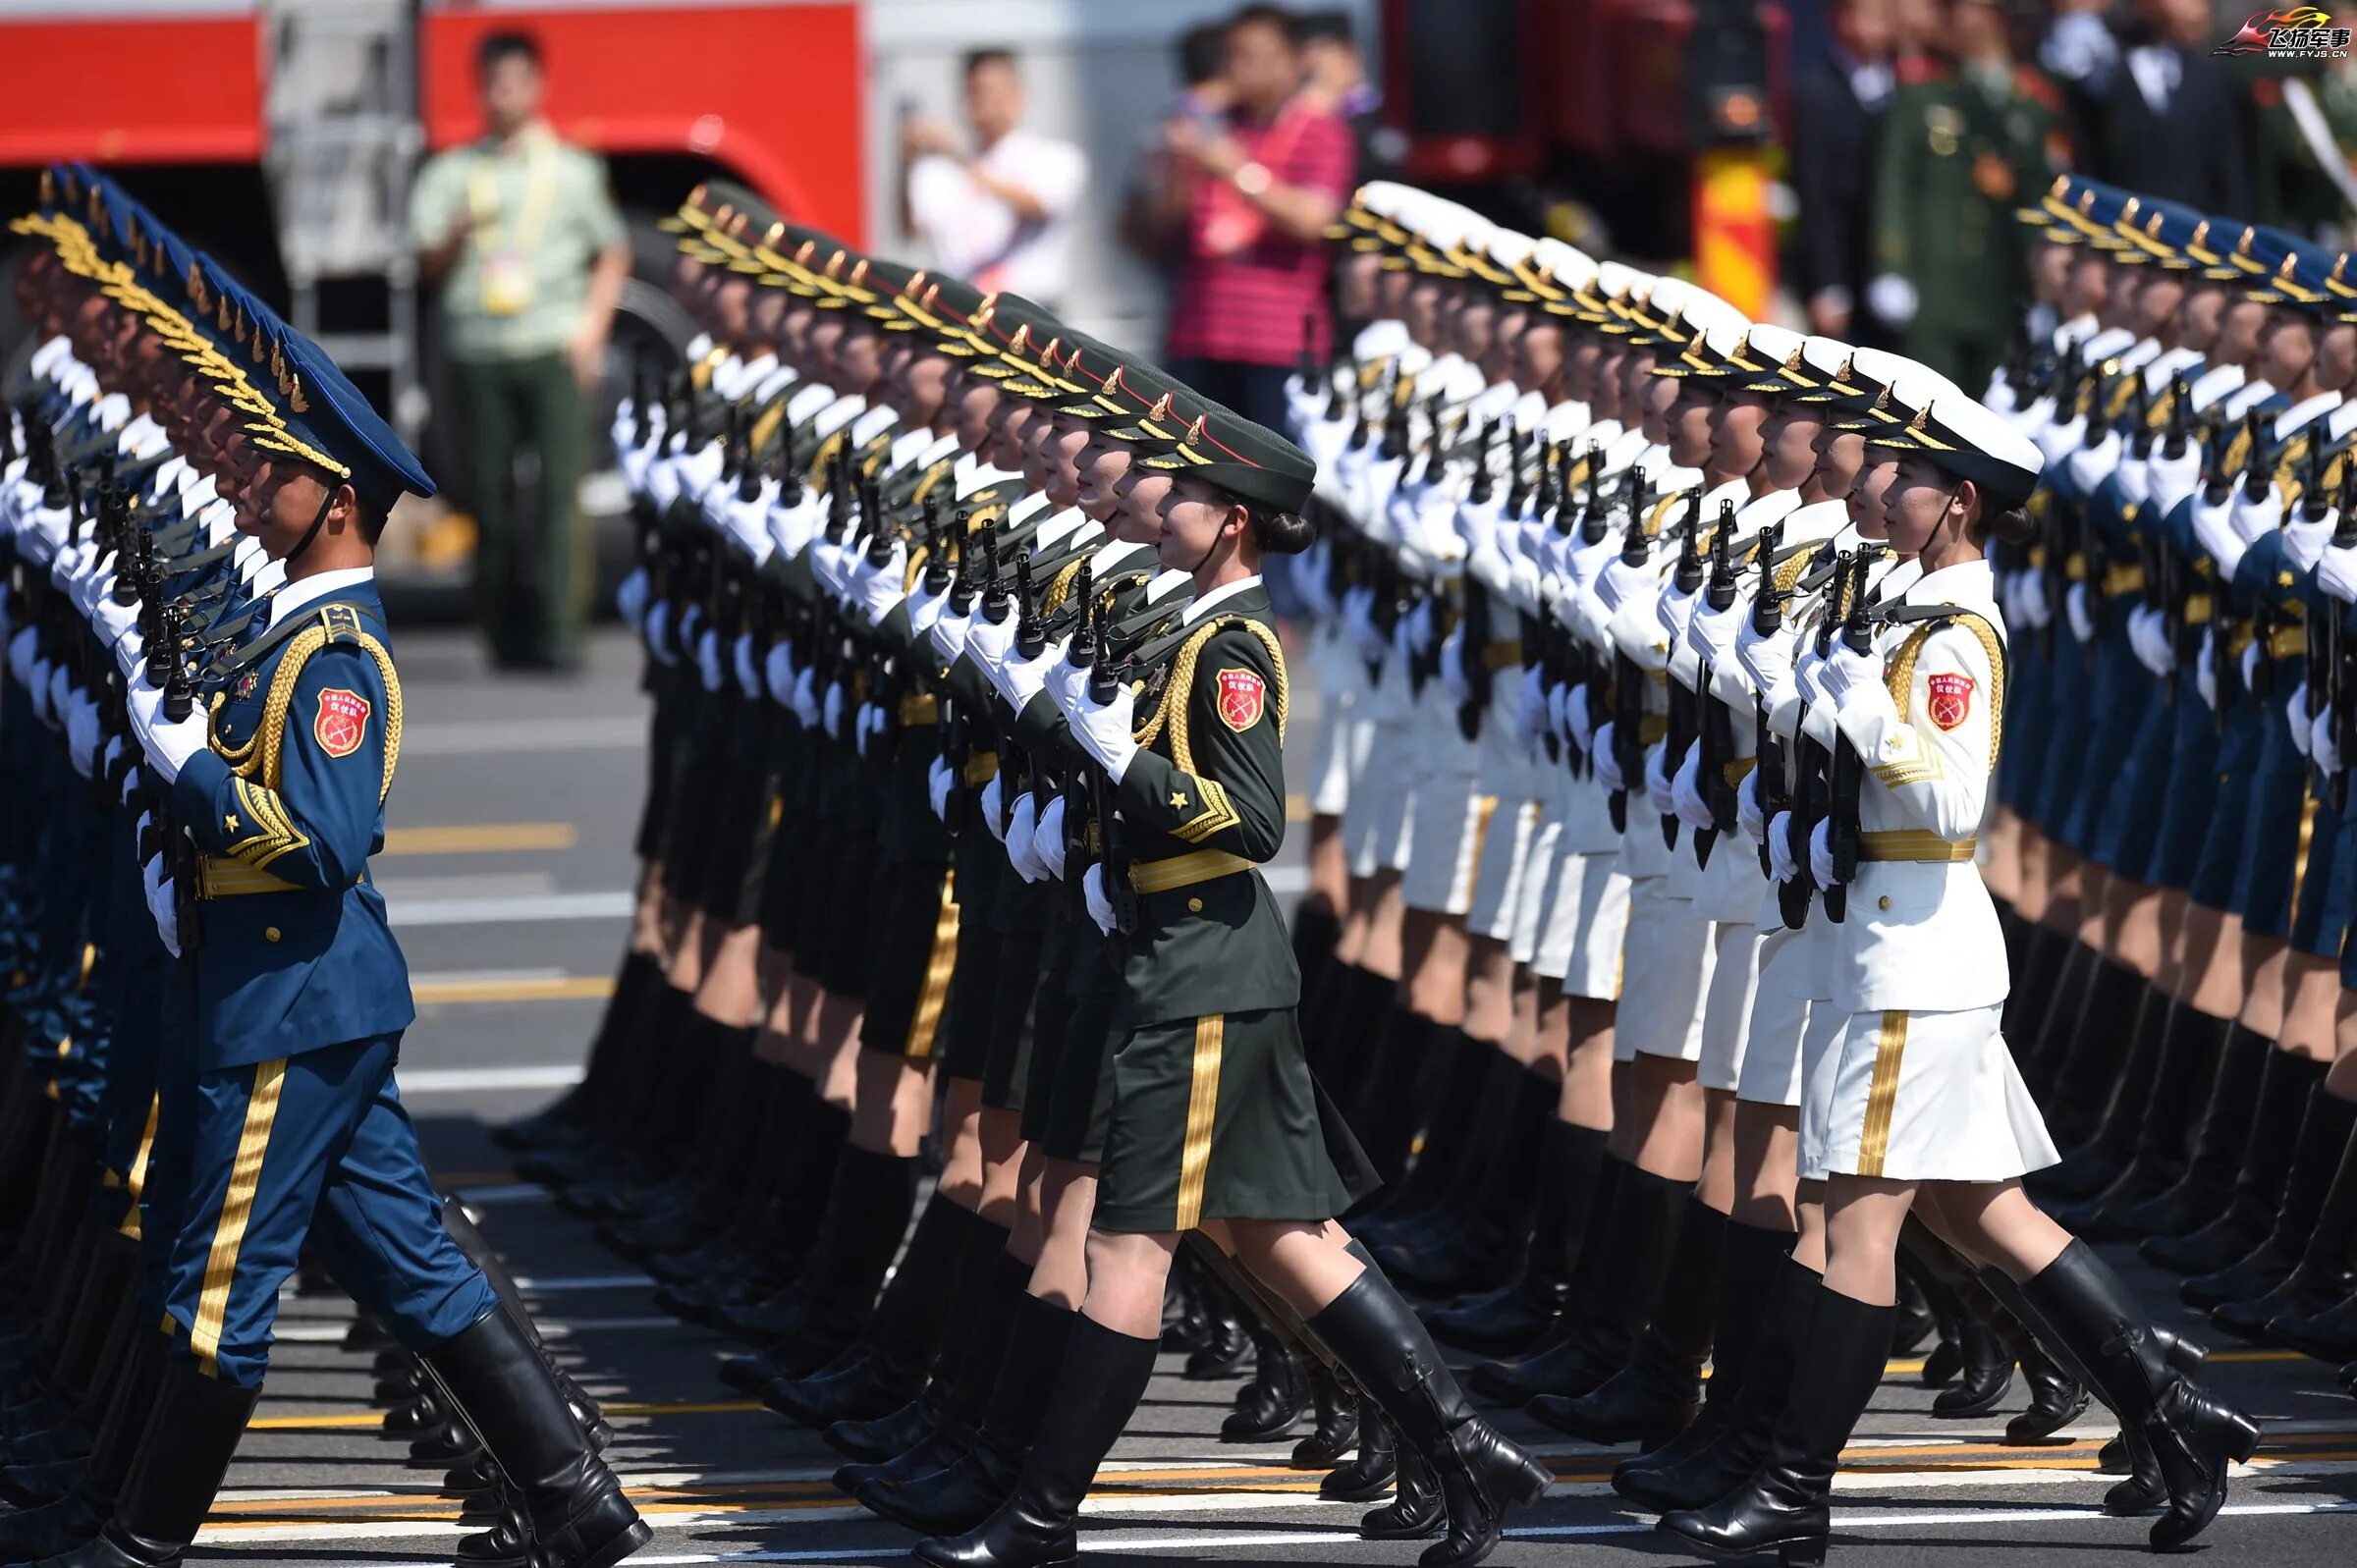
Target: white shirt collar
2299, 413
1226, 590
310, 590
982, 474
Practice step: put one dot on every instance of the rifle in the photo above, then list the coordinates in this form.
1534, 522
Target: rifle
2340, 687
1395, 422
1629, 685
1811, 789
1850, 769
1104, 682
1717, 737
1767, 616
938, 567
1483, 486
1363, 430
2140, 426
644, 389
2255, 476
957, 744
1517, 489
1593, 518
1030, 640
1684, 707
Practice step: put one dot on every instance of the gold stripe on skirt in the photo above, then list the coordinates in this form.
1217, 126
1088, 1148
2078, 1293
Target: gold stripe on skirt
1882, 1094
1203, 1106
927, 1021
236, 1209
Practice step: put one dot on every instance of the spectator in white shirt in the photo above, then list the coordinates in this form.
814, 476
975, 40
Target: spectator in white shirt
998, 215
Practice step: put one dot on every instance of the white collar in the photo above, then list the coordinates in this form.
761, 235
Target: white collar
310, 590
2307, 408
1226, 590
872, 422
981, 475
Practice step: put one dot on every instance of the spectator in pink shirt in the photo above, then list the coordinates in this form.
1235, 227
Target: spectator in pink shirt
1250, 189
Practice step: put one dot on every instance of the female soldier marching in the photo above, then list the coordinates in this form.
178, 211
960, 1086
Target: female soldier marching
1214, 1122
1919, 1103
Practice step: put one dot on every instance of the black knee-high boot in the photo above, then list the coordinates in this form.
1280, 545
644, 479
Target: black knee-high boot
1782, 1508
2315, 1157
958, 1398
2201, 1194
2187, 1066
2193, 1437
1474, 1086
2315, 1310
2098, 1051
2096, 1164
2285, 1086
1104, 1376
178, 1468
1651, 1401
1372, 1331
1493, 1228
1510, 1316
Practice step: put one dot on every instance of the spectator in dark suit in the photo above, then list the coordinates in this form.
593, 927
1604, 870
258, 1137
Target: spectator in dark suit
2166, 120
1837, 112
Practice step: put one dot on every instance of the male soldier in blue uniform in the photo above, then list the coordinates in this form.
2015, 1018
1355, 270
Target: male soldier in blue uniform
294, 1129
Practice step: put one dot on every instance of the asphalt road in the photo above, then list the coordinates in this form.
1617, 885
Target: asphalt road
507, 872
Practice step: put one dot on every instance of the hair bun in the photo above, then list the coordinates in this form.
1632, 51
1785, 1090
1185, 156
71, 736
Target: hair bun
1282, 533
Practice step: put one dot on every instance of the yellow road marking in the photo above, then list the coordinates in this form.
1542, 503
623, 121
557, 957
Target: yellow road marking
543, 988
480, 838
374, 1418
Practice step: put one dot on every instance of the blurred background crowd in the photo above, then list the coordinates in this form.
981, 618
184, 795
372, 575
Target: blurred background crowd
458, 196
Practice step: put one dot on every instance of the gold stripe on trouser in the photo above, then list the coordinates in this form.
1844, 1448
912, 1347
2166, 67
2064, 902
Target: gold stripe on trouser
2299, 859
136, 1181
244, 1179
1882, 1095
938, 969
1203, 1106
1484, 808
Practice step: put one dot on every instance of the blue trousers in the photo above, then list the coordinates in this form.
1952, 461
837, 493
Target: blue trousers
315, 1148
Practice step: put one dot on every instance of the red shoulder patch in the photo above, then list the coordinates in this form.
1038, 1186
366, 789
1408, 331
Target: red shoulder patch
1951, 698
342, 723
1242, 698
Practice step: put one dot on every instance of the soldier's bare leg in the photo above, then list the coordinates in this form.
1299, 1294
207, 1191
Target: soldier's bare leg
1068, 1199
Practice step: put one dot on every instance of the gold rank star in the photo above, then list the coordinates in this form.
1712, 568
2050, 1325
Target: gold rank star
1179, 800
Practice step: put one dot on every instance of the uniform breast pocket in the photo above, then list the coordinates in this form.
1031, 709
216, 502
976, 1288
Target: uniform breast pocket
1902, 896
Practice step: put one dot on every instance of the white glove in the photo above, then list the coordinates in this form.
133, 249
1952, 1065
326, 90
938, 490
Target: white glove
1580, 718
1452, 667
876, 589
707, 659
1779, 847
777, 667
1021, 828
1747, 808
992, 796
161, 906
81, 734
1531, 702
1103, 729
831, 715
1768, 660
1047, 839
1821, 854
2321, 744
1619, 582
1892, 297
2148, 636
925, 608
2301, 726
2305, 543
631, 597
2089, 467
2336, 572
2082, 619
1657, 779
1607, 760
989, 642
1846, 670
1685, 792
2214, 527
698, 470
2058, 441
1020, 680
793, 526
2255, 519
950, 633
748, 674
657, 632
2170, 480
2250, 665
2036, 612
2205, 670
168, 744
937, 787
1100, 907
806, 706
873, 722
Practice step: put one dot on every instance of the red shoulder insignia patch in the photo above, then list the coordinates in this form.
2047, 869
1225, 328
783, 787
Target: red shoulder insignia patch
342, 721
1242, 697
1951, 698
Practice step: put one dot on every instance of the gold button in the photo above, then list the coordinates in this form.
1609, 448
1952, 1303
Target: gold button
1884, 903
1194, 906
270, 933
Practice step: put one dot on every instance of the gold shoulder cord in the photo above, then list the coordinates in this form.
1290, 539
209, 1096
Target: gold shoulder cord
1176, 695
233, 755
268, 763
1900, 677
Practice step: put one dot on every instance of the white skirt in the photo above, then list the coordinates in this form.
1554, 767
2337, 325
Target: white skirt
1498, 878
1529, 909
1664, 975
1451, 822
1779, 1014
1340, 756
1726, 1005
1583, 932
1924, 1096
1382, 805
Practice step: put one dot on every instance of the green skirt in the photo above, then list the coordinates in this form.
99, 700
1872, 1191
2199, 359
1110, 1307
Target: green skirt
1219, 1117
913, 953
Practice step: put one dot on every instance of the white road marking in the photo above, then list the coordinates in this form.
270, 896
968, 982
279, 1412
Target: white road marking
616, 905
486, 1080
513, 1192
1165, 1543
551, 1285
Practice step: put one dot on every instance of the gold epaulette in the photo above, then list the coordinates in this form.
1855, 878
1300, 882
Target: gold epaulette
337, 623
1171, 711
1900, 675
